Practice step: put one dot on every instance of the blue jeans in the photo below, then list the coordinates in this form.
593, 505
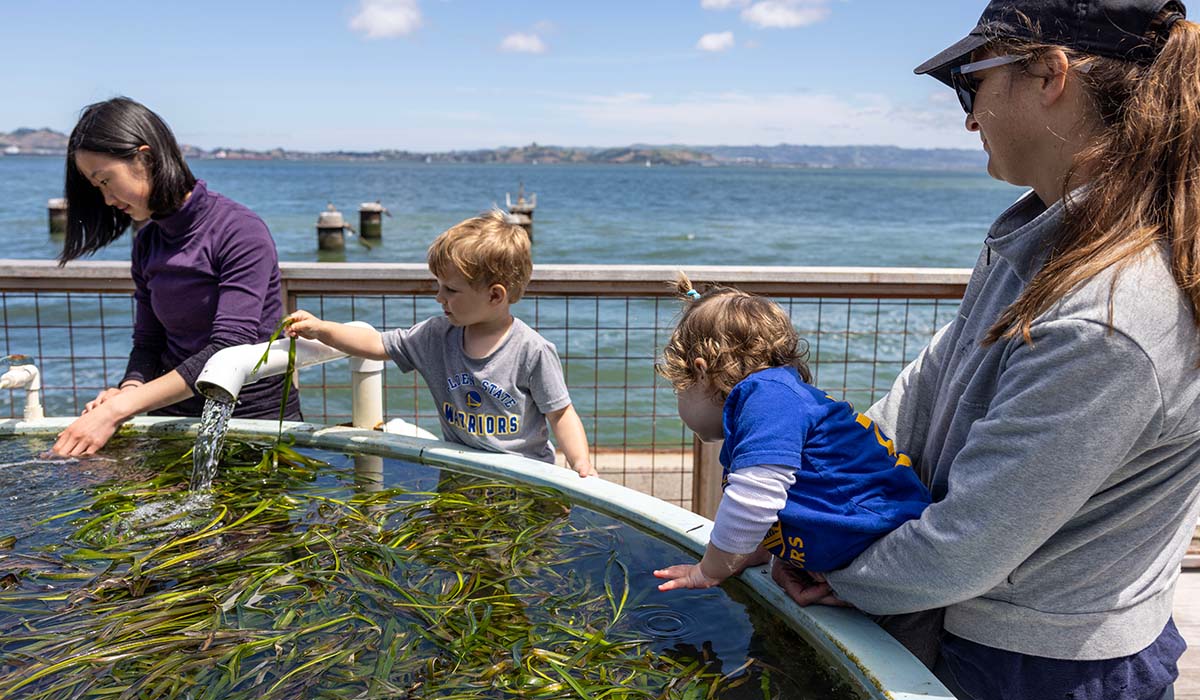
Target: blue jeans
973, 671
947, 678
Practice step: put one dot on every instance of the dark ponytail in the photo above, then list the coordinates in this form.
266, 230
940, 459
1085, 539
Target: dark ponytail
119, 128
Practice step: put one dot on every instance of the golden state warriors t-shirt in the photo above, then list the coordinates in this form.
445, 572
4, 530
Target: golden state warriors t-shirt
497, 403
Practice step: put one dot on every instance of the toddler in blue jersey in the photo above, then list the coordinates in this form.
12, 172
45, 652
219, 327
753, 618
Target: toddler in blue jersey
806, 479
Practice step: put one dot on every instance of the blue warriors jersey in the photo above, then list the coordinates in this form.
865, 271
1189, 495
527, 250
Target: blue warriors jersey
852, 485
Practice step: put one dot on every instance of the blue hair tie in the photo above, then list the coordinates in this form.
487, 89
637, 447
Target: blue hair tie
693, 294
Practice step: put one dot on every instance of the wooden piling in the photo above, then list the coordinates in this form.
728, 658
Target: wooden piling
521, 212
57, 209
331, 227
370, 219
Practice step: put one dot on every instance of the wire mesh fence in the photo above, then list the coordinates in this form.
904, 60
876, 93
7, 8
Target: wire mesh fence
608, 332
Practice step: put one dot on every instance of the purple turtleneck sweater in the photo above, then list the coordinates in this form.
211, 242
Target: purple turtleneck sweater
206, 277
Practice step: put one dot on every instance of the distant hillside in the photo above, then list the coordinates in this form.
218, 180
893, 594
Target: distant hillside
50, 142
532, 153
872, 157
35, 141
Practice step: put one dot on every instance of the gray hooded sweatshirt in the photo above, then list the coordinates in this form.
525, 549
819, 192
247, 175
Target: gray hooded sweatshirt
1065, 473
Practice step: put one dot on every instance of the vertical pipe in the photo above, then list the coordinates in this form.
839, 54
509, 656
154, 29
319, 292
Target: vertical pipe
368, 473
366, 393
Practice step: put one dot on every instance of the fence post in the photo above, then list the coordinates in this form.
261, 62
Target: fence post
706, 477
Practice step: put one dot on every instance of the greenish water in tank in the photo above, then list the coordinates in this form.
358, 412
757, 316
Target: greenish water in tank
311, 574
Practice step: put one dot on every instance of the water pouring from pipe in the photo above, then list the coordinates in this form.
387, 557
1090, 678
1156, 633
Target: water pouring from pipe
230, 369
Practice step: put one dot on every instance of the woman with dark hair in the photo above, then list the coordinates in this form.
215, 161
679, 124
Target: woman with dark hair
205, 269
1057, 418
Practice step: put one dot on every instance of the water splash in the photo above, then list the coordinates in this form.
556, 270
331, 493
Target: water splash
209, 439
168, 515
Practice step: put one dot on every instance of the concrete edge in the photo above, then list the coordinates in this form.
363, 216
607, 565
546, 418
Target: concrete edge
874, 662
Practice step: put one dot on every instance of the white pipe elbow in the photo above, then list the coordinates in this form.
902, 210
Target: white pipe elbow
21, 377
29, 378
230, 369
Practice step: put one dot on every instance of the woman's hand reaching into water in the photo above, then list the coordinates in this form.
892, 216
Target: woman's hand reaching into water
89, 432
112, 407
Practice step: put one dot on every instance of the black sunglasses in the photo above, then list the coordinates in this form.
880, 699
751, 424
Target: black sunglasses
965, 87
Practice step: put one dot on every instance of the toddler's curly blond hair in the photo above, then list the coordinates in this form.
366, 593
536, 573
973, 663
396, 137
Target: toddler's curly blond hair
735, 333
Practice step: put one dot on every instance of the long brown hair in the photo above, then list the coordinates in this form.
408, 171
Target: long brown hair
1144, 177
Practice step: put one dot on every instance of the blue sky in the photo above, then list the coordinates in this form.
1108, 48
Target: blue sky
430, 75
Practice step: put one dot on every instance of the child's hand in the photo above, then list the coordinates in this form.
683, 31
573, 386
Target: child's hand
685, 576
585, 468
302, 324
716, 566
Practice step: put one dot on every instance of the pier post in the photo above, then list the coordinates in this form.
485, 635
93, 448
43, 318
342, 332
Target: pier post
57, 208
331, 229
521, 212
370, 219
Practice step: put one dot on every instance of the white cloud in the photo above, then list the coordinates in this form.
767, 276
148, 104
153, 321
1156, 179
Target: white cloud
745, 118
785, 14
619, 99
716, 41
523, 43
381, 19
722, 4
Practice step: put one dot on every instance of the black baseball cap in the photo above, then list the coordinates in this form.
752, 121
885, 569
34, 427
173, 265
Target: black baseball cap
1113, 28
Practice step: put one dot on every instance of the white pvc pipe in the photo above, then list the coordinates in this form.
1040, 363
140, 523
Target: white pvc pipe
366, 391
230, 369
26, 376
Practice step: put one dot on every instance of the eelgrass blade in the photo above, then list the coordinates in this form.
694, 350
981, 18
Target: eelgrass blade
283, 323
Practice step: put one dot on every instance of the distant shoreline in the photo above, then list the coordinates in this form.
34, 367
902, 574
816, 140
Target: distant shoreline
47, 142
971, 167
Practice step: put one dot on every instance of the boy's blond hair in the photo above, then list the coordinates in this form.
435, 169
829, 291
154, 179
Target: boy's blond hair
486, 250
735, 333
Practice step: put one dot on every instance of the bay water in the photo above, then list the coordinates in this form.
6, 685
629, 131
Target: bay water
586, 214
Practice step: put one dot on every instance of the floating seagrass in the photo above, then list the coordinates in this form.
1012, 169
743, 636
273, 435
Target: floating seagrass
282, 582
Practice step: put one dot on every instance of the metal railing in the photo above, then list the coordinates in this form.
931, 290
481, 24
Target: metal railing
608, 322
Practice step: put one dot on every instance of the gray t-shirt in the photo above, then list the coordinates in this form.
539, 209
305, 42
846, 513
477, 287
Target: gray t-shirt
497, 403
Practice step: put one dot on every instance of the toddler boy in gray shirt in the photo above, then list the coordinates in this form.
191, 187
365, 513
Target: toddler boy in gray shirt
498, 384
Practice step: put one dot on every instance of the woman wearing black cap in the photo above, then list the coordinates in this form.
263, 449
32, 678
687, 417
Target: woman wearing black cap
1057, 419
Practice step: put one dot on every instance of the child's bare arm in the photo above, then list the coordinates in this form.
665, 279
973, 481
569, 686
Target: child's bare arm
352, 340
570, 436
